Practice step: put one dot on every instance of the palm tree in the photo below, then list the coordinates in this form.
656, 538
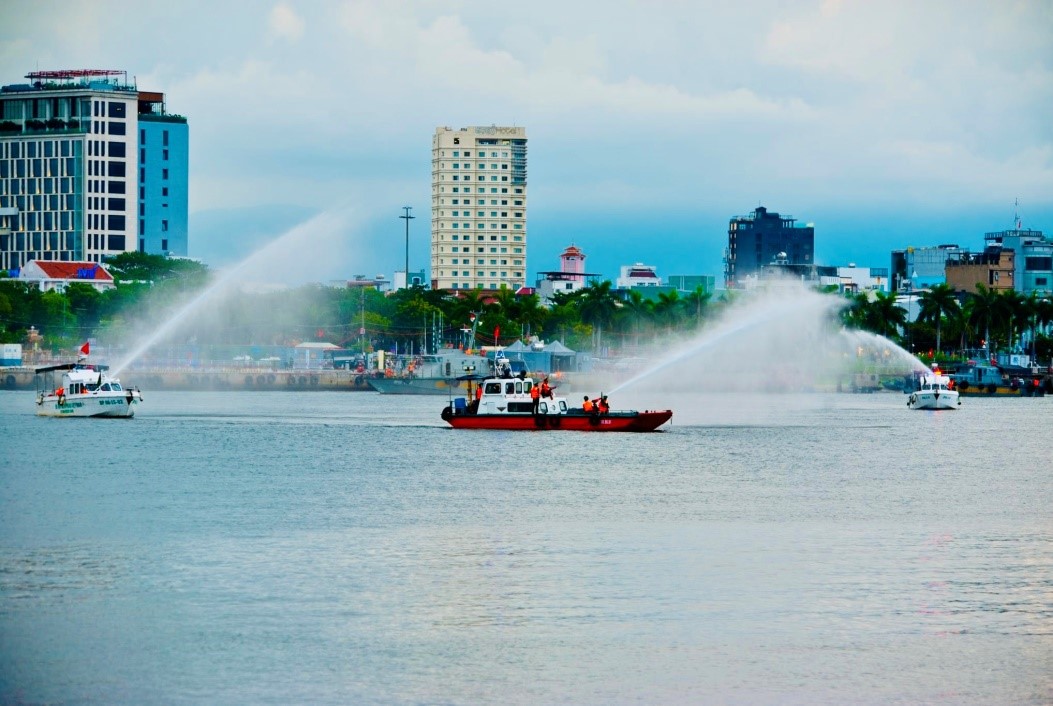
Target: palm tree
884, 315
938, 301
983, 308
598, 307
667, 310
697, 302
635, 313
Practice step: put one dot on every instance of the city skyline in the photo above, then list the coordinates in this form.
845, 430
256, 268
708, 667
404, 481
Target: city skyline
886, 126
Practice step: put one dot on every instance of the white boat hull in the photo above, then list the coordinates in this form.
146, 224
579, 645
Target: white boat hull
117, 404
925, 399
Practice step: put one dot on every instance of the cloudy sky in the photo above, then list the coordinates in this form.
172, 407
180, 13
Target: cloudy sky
886, 124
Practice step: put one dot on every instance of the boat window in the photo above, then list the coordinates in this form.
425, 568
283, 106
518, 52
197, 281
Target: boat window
527, 384
106, 387
117, 386
510, 388
543, 408
493, 388
519, 388
563, 405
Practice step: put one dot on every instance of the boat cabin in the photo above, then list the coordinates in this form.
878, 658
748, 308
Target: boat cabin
509, 396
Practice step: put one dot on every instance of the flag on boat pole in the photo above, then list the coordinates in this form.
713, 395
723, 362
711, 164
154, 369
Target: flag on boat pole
85, 349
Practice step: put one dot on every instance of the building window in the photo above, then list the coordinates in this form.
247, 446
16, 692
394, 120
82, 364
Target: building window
164, 174
164, 243
116, 128
164, 226
116, 109
164, 138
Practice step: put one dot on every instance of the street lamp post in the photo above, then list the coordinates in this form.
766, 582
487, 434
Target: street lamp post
407, 217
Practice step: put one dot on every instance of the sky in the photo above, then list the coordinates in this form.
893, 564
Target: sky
885, 124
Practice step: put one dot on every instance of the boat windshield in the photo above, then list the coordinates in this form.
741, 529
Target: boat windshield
116, 386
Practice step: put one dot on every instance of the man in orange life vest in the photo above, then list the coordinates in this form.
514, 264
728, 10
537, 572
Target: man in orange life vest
587, 406
546, 391
535, 396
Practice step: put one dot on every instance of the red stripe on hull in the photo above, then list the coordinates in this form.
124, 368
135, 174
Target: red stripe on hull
629, 421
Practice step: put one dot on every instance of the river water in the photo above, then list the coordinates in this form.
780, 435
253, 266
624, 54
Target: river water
328, 548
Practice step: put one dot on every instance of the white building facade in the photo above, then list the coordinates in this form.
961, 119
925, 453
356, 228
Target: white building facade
479, 208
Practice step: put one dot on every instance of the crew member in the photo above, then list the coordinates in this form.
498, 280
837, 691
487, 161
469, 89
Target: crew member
588, 406
602, 407
535, 397
546, 391
478, 396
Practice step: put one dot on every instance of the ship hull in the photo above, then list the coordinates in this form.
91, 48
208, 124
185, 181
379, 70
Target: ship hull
615, 421
418, 386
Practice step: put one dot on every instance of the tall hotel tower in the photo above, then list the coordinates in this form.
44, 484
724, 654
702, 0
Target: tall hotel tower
89, 167
478, 208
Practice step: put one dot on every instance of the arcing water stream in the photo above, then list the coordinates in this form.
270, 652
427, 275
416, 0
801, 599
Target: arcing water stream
294, 243
781, 340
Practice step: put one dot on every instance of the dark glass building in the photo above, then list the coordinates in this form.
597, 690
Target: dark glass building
762, 238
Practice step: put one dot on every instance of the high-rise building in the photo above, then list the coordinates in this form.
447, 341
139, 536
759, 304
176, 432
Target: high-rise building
78, 180
762, 238
164, 177
478, 208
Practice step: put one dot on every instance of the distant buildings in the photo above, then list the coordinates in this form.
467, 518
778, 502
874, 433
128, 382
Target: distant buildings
762, 238
918, 268
1015, 259
89, 167
479, 206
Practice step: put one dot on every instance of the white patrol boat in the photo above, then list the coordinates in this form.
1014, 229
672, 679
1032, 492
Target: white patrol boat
85, 390
933, 390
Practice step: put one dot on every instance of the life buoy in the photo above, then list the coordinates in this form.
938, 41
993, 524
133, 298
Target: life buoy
291, 380
555, 420
963, 385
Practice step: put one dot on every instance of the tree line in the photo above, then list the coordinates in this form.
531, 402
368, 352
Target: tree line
595, 317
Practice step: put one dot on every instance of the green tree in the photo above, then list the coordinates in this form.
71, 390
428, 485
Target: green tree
598, 307
936, 303
983, 308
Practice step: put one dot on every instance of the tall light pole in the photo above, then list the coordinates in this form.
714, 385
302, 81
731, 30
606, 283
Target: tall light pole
407, 217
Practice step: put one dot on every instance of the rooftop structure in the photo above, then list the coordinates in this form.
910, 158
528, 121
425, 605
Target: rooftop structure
569, 278
478, 208
638, 275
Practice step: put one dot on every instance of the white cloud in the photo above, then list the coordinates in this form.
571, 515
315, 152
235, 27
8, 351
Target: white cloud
285, 23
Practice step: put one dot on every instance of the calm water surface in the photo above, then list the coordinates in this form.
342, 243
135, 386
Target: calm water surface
348, 548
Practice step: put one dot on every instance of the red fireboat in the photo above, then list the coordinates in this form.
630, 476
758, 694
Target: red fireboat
506, 403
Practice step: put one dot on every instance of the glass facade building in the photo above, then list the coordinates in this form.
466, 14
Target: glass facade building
68, 168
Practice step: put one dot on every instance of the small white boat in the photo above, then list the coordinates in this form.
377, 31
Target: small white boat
85, 390
934, 391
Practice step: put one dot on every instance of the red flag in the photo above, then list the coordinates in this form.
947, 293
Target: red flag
497, 332
85, 349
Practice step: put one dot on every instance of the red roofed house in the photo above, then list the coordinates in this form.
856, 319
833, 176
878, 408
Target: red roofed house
53, 275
